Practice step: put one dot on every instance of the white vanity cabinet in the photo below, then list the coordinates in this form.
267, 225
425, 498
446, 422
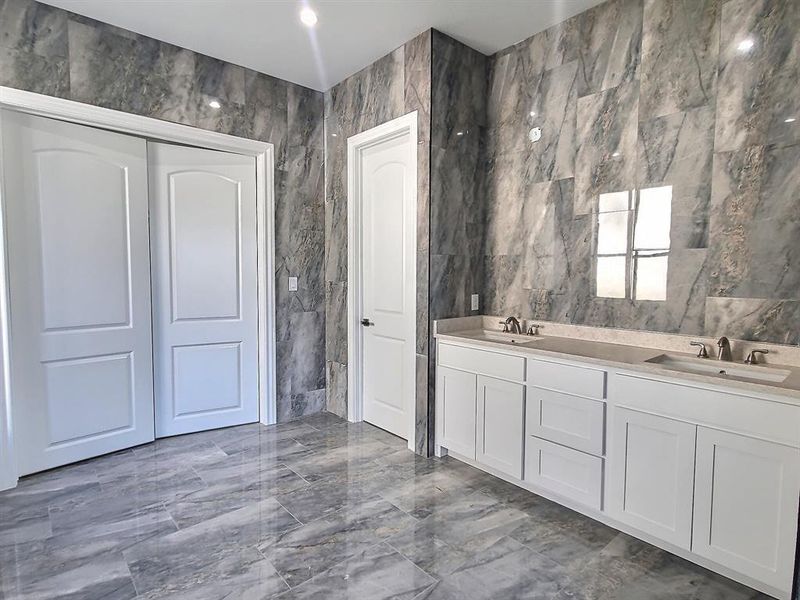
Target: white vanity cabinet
652, 478
501, 423
480, 406
745, 505
716, 472
708, 471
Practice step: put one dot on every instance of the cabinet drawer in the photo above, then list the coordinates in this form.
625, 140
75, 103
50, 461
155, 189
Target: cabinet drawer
502, 366
565, 419
581, 381
565, 471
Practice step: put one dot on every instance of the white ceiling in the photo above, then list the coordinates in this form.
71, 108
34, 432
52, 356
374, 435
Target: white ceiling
266, 35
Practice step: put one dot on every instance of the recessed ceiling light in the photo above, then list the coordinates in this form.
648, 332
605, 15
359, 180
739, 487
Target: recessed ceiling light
335, 134
615, 155
308, 17
215, 104
459, 133
790, 120
532, 113
745, 45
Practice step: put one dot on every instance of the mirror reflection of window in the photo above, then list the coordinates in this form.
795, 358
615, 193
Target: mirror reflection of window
632, 252
651, 243
613, 222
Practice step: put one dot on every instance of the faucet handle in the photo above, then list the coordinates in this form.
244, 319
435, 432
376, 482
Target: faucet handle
752, 357
703, 353
505, 326
533, 329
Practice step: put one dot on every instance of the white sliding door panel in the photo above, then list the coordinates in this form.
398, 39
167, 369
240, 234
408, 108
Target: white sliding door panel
388, 292
205, 290
80, 290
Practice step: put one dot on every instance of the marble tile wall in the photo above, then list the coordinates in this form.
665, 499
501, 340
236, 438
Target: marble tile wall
54, 52
394, 85
459, 77
643, 93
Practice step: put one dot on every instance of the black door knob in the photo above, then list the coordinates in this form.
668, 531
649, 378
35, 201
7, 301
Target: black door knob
366, 322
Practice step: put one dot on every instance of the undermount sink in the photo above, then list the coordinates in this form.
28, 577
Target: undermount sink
723, 369
504, 338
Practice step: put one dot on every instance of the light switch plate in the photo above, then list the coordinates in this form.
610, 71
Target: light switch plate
292, 284
474, 302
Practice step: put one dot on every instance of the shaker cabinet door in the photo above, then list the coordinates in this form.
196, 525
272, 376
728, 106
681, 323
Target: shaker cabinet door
501, 424
652, 474
455, 413
745, 505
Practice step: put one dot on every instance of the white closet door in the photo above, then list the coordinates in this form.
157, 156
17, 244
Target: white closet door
205, 292
81, 370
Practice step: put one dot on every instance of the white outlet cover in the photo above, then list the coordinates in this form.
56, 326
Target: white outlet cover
292, 284
535, 134
474, 302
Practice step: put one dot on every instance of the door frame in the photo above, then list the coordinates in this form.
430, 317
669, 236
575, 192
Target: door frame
405, 125
165, 131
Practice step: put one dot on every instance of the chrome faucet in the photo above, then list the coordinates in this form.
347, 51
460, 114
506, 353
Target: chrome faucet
724, 346
752, 358
511, 325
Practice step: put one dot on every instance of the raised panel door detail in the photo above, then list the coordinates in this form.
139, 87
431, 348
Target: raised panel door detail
746, 503
208, 378
84, 240
456, 410
89, 397
386, 392
205, 245
653, 466
386, 193
501, 423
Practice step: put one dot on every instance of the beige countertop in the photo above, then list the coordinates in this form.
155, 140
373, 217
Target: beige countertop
624, 356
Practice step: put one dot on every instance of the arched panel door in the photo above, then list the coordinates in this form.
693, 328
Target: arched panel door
205, 288
79, 273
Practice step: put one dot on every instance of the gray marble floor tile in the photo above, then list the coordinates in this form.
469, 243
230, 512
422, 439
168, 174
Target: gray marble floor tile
321, 499
375, 521
231, 488
428, 493
63, 569
112, 520
506, 569
302, 553
220, 548
420, 544
377, 573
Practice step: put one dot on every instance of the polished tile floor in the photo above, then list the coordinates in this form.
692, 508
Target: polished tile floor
317, 508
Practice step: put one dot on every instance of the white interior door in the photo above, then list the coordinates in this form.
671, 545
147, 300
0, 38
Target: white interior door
205, 290
79, 274
388, 206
